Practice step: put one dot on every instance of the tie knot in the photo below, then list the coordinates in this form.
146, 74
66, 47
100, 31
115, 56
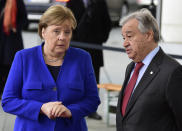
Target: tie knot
138, 66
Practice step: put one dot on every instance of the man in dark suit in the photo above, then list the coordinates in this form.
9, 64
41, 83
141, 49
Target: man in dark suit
154, 102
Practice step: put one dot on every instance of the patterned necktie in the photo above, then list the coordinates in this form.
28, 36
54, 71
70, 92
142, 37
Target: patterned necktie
130, 86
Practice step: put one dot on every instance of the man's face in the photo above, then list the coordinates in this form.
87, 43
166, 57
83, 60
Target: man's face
135, 42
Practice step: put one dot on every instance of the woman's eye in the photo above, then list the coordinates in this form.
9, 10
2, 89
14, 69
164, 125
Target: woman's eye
56, 31
67, 32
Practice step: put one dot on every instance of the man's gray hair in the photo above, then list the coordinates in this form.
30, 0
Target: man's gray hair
146, 22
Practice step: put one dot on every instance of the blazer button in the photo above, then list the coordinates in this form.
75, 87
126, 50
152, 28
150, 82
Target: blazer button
54, 89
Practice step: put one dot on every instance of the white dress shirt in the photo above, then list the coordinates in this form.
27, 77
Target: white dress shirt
146, 61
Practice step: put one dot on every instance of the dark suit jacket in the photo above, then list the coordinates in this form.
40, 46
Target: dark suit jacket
93, 26
156, 103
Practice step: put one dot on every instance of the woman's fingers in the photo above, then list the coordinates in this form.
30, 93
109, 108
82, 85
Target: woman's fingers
55, 109
50, 108
61, 111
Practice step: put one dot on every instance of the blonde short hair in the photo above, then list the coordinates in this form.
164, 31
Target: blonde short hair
56, 15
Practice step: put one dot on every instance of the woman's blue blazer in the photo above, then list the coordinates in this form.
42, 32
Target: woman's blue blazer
30, 84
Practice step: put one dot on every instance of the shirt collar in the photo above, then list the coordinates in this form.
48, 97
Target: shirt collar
150, 56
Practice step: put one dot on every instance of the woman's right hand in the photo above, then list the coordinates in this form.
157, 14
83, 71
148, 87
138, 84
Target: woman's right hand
47, 109
61, 111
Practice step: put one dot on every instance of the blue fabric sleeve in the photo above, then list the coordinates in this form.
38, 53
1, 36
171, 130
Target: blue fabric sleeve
12, 101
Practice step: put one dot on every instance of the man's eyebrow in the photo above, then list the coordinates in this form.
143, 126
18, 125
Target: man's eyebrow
127, 32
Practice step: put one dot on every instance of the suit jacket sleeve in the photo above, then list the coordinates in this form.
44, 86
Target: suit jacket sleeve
174, 95
12, 101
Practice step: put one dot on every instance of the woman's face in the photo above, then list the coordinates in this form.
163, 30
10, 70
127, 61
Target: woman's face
57, 38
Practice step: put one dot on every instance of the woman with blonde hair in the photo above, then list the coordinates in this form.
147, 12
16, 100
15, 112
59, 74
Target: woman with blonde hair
52, 87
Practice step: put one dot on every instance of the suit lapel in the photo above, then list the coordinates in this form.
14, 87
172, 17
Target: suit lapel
147, 78
128, 72
127, 76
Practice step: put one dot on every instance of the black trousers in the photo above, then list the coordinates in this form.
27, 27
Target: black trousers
97, 74
4, 70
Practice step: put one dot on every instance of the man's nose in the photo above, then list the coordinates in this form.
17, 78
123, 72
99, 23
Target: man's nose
125, 43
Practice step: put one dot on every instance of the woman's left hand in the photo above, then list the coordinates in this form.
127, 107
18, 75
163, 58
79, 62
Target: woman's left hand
59, 110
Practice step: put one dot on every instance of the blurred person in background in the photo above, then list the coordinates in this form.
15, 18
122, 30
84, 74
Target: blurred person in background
52, 87
150, 99
94, 26
13, 18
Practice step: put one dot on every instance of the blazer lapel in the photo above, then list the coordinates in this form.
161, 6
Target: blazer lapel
147, 78
44, 69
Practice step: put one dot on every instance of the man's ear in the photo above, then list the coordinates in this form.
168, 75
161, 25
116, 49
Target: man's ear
150, 35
